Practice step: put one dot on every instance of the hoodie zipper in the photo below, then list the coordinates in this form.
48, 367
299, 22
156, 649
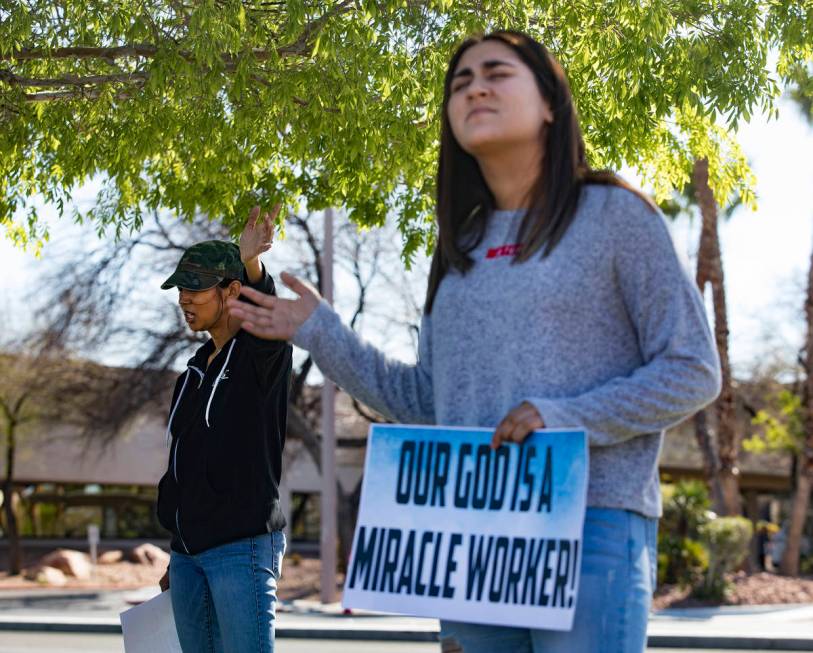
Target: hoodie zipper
220, 376
178, 439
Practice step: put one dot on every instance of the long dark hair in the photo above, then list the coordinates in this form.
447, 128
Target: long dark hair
464, 201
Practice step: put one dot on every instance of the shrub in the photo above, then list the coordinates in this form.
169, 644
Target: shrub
727, 540
685, 508
681, 557
681, 560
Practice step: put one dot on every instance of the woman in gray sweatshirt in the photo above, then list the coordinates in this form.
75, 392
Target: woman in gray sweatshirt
555, 299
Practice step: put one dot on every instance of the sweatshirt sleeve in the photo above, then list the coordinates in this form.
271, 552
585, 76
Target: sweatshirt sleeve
272, 358
680, 372
265, 284
399, 391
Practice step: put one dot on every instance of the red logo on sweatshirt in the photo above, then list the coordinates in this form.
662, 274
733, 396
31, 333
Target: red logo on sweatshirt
504, 250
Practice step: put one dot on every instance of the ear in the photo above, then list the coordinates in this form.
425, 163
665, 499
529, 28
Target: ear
234, 289
547, 112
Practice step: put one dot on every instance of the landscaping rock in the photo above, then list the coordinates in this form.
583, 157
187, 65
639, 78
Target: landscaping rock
71, 563
46, 576
110, 557
149, 554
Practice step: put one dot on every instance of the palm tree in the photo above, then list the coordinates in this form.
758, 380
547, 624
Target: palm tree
720, 453
801, 91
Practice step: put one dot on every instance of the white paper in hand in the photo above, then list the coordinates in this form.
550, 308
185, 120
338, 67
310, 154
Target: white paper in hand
150, 627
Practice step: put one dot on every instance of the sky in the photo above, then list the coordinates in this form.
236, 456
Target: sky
766, 254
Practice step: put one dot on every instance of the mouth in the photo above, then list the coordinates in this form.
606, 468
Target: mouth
478, 111
188, 316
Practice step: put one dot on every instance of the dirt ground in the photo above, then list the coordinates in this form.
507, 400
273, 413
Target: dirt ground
300, 578
746, 589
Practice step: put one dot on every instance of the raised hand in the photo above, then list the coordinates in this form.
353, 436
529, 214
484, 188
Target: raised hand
274, 318
517, 425
258, 234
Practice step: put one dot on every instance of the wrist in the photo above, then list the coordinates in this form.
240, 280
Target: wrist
254, 270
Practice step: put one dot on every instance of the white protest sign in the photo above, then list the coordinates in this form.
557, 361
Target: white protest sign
450, 528
150, 627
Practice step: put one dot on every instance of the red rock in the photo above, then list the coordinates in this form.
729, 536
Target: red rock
110, 557
46, 575
71, 563
149, 554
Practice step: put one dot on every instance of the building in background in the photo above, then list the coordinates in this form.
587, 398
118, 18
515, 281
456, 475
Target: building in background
65, 485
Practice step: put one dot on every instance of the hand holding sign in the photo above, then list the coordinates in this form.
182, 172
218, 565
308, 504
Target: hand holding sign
517, 425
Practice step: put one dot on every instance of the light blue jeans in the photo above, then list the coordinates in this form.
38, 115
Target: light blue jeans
618, 576
224, 599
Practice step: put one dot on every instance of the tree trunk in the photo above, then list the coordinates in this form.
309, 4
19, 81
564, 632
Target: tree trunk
804, 476
711, 463
12, 532
348, 509
347, 502
710, 270
789, 564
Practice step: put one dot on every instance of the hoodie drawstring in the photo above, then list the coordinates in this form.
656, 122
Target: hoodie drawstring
175, 407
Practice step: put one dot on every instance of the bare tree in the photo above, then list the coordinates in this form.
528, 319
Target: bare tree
369, 259
41, 385
98, 301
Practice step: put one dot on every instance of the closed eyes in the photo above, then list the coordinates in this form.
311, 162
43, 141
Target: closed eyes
464, 83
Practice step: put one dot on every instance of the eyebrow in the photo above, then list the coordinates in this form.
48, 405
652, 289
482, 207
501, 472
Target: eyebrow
491, 63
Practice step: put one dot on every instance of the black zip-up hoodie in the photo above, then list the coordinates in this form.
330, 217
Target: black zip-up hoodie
226, 433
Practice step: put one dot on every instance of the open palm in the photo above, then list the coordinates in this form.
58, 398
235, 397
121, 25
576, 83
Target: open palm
275, 318
258, 234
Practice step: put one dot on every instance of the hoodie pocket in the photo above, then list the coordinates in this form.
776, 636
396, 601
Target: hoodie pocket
168, 500
223, 461
220, 477
201, 500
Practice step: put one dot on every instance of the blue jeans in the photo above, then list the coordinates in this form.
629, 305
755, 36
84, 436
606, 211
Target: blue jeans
224, 598
618, 576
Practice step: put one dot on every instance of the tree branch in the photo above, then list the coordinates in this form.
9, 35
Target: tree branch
311, 440
300, 377
300, 47
120, 52
366, 414
134, 51
70, 80
88, 94
313, 245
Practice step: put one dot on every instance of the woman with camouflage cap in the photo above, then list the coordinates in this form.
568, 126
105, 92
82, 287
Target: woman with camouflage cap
220, 495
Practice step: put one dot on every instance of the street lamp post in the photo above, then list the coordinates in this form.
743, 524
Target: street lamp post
327, 544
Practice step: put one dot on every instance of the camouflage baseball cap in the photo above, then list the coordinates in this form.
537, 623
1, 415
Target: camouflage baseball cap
206, 264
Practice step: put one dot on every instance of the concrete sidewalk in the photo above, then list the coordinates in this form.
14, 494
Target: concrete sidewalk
765, 628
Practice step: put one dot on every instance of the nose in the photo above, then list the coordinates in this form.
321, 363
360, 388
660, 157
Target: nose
476, 88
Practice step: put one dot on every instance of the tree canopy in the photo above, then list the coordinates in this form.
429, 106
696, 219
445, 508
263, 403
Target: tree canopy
209, 106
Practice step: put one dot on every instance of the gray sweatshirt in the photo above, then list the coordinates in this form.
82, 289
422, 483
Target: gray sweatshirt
607, 333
